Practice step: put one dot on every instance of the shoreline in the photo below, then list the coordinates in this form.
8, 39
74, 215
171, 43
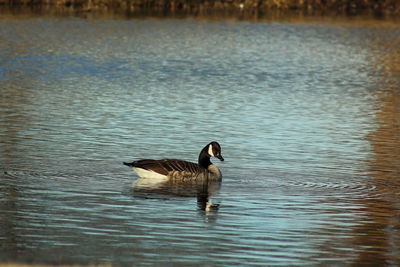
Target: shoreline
230, 15
252, 7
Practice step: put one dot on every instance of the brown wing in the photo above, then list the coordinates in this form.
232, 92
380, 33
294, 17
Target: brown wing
164, 166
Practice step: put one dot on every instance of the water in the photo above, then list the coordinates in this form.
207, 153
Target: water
307, 114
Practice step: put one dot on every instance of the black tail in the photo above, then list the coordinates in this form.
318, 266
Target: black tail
128, 164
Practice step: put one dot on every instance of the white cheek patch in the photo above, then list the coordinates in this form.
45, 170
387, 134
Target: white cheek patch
210, 151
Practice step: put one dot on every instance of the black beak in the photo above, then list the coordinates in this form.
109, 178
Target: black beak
220, 158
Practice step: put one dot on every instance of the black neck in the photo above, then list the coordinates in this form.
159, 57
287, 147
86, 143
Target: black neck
204, 158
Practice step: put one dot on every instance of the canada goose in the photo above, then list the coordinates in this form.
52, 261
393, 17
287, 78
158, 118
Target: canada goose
179, 169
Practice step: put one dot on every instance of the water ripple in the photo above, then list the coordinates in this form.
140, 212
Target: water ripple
307, 116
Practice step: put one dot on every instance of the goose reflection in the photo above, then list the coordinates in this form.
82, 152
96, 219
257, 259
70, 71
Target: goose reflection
202, 189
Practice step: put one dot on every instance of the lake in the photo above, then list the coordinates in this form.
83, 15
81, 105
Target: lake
307, 112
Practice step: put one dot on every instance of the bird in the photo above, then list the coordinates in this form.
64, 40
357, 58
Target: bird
180, 170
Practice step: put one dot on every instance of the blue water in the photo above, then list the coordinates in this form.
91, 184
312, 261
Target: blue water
307, 114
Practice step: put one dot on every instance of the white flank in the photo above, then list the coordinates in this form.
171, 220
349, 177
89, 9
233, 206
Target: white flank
149, 174
147, 183
210, 151
148, 179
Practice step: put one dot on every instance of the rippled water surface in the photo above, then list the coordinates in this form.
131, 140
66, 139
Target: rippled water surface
307, 114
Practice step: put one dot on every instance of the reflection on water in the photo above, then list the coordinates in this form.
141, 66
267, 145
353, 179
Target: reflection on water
203, 190
383, 210
307, 113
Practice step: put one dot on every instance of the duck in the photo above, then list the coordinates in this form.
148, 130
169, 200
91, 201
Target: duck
181, 170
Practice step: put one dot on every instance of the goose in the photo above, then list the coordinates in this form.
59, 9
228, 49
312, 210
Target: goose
174, 169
